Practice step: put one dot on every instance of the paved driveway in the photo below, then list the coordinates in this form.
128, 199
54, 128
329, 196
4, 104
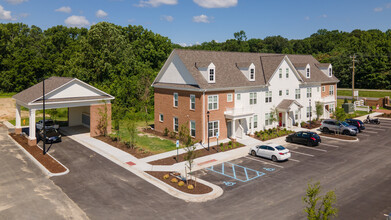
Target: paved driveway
25, 192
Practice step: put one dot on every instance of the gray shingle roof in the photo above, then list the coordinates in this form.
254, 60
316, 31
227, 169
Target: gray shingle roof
34, 92
228, 74
286, 103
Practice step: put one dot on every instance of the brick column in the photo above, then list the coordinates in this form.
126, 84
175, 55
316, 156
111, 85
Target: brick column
95, 117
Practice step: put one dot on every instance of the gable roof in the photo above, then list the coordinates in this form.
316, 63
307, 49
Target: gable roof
285, 104
33, 94
228, 75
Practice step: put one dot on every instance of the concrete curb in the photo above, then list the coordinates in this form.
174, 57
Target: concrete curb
357, 139
46, 171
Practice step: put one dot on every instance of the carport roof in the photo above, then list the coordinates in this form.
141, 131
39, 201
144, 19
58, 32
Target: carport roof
33, 94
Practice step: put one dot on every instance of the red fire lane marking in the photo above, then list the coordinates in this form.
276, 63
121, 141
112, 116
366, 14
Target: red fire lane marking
205, 162
130, 163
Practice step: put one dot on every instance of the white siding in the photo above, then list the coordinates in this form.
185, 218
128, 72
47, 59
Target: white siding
177, 72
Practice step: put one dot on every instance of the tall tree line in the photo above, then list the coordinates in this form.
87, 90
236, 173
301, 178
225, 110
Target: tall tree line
372, 49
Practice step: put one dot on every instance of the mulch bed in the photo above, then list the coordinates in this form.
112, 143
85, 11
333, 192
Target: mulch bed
161, 135
313, 125
137, 152
199, 153
199, 188
46, 160
342, 137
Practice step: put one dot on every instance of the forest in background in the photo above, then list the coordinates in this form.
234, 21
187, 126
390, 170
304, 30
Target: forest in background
124, 61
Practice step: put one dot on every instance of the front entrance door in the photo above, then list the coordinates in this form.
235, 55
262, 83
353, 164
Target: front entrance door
229, 128
280, 119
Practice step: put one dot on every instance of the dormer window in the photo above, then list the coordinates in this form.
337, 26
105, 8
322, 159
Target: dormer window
211, 73
307, 72
330, 72
252, 74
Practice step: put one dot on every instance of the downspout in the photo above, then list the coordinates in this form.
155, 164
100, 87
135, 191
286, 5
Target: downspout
203, 116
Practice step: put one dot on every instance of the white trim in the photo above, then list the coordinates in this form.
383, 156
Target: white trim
160, 117
192, 95
308, 71
164, 68
195, 130
218, 128
211, 67
173, 123
64, 102
291, 66
213, 102
173, 100
228, 95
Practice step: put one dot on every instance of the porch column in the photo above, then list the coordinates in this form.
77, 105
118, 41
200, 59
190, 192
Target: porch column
287, 125
252, 126
233, 132
32, 138
299, 118
18, 128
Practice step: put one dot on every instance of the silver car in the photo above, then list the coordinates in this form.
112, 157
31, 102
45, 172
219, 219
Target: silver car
338, 127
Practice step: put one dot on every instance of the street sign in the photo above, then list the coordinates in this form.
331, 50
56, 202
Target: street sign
217, 134
355, 92
177, 143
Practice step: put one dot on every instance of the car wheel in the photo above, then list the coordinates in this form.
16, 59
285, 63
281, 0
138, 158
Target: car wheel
346, 132
326, 130
253, 153
274, 158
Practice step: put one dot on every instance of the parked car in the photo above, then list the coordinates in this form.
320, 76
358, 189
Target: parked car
275, 152
304, 137
52, 135
338, 127
49, 123
356, 123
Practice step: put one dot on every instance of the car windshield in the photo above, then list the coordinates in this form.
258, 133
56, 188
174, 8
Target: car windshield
344, 123
280, 148
315, 135
49, 123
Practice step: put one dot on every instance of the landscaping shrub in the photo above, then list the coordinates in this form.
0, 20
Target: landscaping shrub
166, 176
190, 187
174, 180
221, 145
172, 134
165, 132
181, 183
230, 142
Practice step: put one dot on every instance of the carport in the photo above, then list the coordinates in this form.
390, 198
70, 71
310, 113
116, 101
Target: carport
85, 104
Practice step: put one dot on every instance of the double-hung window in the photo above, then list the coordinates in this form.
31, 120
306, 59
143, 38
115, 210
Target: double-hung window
309, 92
280, 73
238, 96
176, 124
161, 118
252, 74
192, 128
330, 72
175, 99
192, 102
309, 113
229, 97
268, 97
331, 90
297, 93
323, 88
253, 98
287, 72
213, 102
255, 121
287, 92
280, 92
211, 75
308, 72
213, 128
268, 119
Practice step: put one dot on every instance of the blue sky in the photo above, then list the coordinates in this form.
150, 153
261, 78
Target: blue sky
195, 21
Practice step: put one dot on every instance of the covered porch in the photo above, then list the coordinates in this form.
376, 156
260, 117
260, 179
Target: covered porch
329, 104
289, 113
239, 122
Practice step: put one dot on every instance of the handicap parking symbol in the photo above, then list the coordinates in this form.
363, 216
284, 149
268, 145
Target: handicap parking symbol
229, 183
269, 169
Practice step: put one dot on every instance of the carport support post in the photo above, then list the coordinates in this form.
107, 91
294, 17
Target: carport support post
18, 127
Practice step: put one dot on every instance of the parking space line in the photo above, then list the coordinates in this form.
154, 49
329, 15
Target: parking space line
310, 155
329, 145
264, 162
380, 129
294, 160
372, 132
364, 134
312, 148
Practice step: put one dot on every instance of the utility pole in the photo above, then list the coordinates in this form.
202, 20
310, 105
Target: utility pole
353, 60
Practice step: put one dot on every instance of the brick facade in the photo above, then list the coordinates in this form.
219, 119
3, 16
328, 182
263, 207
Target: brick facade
326, 91
95, 117
164, 104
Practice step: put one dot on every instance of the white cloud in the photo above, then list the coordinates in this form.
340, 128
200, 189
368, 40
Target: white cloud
216, 3
77, 21
101, 14
202, 19
168, 18
131, 20
185, 45
24, 15
65, 9
156, 3
378, 9
16, 2
307, 18
323, 16
388, 5
5, 15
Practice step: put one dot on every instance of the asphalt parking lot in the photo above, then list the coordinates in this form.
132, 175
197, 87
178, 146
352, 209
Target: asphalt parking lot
337, 164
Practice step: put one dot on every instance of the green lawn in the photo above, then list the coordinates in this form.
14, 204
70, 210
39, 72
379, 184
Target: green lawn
366, 93
61, 117
151, 144
7, 94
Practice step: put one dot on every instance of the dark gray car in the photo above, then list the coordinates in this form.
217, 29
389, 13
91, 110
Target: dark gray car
338, 127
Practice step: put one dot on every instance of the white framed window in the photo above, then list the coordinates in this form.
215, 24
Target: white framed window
331, 90
161, 118
229, 97
192, 102
309, 92
323, 88
287, 72
213, 128
268, 97
192, 128
287, 92
308, 73
331, 108
268, 119
252, 74
175, 99
213, 102
297, 93
309, 113
211, 75
238, 96
280, 73
296, 115
280, 92
330, 72
255, 121
253, 98
176, 124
